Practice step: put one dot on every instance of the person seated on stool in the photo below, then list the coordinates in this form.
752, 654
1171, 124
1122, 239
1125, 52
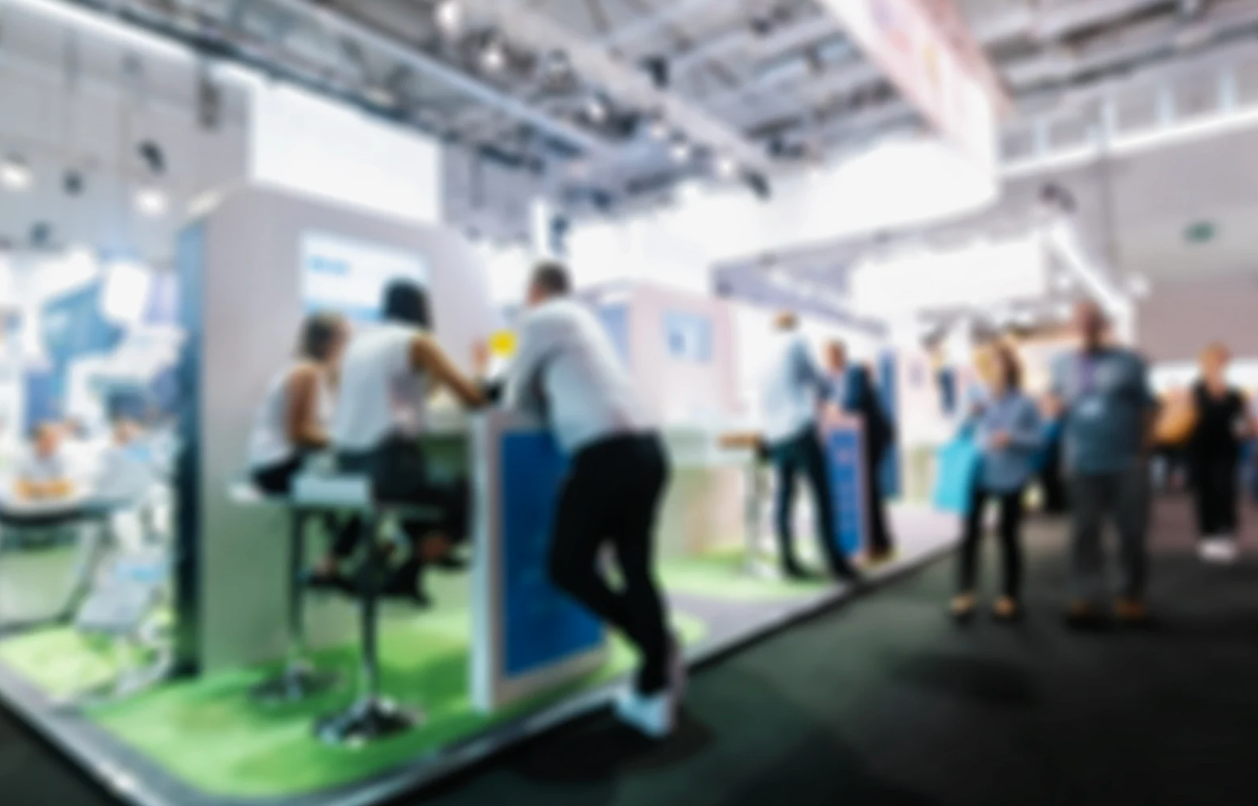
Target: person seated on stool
853, 391
387, 376
1010, 432
44, 473
293, 420
292, 423
567, 369
793, 391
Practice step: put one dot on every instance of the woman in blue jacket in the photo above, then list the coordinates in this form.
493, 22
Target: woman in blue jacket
1009, 431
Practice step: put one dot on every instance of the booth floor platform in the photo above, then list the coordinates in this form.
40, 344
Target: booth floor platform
204, 741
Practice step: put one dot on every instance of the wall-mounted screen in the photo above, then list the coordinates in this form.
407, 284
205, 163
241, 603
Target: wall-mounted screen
348, 276
689, 336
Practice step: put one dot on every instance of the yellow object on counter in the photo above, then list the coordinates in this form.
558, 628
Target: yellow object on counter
502, 344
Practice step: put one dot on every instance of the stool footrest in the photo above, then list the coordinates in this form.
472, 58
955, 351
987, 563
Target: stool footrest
368, 720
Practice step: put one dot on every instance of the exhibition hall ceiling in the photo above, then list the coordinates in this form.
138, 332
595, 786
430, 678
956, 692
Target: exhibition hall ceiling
606, 99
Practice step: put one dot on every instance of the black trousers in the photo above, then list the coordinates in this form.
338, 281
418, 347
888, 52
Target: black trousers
1215, 477
1010, 531
875, 506
399, 475
1052, 482
611, 497
803, 453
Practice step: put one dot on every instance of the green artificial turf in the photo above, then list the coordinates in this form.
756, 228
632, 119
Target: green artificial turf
209, 734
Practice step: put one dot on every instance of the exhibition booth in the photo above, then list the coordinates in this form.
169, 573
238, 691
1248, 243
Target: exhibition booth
189, 666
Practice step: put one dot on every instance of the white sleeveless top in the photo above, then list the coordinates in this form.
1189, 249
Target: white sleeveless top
269, 444
381, 393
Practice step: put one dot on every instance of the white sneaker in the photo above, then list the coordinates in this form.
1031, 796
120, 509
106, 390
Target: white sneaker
653, 715
1219, 551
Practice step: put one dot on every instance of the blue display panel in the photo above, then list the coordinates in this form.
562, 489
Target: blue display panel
845, 469
688, 336
542, 626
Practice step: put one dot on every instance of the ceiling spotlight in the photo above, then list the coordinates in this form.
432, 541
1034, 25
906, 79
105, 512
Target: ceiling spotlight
15, 174
494, 58
449, 16
726, 168
151, 201
681, 151
596, 110
153, 157
72, 183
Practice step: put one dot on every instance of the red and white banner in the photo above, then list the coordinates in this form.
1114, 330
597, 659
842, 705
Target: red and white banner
903, 38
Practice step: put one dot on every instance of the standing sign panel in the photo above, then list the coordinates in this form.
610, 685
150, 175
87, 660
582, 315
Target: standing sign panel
528, 635
845, 467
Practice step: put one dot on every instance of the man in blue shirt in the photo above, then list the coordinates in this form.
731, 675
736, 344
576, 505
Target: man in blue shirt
1108, 414
794, 388
854, 392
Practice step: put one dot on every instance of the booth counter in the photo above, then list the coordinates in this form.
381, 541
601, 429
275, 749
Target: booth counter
499, 655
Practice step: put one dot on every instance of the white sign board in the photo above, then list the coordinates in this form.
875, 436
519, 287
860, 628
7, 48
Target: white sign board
349, 276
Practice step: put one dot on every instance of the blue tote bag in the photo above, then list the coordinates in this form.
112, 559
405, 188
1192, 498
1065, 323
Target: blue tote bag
959, 463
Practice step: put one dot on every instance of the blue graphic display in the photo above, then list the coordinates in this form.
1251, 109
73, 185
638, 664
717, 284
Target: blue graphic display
615, 319
689, 336
162, 307
845, 468
541, 625
72, 326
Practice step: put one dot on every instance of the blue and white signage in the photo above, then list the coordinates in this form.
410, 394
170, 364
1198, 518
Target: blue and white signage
845, 464
528, 636
688, 336
349, 276
541, 625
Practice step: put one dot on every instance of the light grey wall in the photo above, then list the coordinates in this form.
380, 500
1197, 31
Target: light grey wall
250, 307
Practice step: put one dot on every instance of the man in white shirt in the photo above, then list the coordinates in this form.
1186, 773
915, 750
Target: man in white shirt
794, 388
567, 371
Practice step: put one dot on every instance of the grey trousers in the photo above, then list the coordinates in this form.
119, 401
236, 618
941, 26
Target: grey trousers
1123, 498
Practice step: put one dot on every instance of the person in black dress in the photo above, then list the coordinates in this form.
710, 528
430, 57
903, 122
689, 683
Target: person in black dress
1222, 423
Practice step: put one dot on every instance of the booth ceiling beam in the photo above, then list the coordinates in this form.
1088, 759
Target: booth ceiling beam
480, 91
625, 83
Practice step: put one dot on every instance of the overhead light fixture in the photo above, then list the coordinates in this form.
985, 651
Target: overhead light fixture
597, 110
449, 16
681, 151
15, 174
153, 155
151, 201
726, 168
494, 57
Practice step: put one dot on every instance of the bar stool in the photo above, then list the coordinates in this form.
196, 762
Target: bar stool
372, 716
299, 679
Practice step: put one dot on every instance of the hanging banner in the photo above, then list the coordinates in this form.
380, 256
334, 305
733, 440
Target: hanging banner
903, 40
